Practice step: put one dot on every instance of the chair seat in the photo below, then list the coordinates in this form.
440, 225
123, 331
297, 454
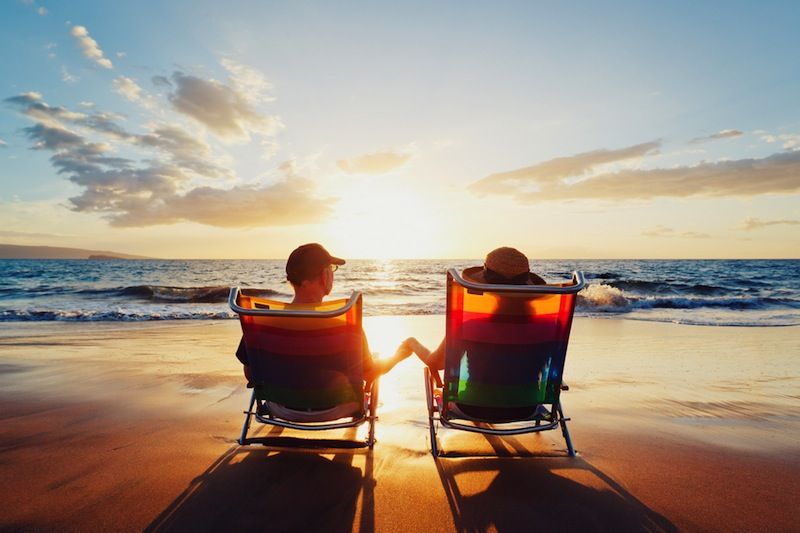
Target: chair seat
498, 414
345, 410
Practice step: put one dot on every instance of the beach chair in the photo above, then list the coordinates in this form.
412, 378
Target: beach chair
505, 347
306, 365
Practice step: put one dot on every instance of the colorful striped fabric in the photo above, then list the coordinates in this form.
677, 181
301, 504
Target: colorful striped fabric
505, 350
305, 362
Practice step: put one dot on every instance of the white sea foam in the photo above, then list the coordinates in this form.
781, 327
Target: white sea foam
603, 297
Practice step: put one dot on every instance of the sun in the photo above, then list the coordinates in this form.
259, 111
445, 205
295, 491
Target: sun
381, 220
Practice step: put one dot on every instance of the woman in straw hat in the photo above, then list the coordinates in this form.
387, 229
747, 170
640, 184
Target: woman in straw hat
502, 266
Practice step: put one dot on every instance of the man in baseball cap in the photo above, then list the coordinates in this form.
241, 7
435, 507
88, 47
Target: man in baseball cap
310, 269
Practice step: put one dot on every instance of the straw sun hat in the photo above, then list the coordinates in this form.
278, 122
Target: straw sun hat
504, 265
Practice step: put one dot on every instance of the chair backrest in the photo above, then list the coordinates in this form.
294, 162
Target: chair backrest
506, 344
303, 356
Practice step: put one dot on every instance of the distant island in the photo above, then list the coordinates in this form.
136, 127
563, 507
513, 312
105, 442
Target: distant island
14, 251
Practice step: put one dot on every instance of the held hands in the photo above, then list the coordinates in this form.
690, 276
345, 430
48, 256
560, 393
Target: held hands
404, 350
411, 344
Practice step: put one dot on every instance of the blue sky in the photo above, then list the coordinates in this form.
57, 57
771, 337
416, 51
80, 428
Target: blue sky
241, 129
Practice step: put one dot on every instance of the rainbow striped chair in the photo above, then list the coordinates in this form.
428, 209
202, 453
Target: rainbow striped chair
306, 364
505, 347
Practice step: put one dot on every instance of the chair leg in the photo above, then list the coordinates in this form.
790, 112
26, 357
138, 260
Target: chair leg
431, 408
247, 416
373, 409
564, 431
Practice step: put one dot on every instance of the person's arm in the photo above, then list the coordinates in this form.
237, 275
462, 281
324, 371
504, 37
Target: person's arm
382, 366
241, 352
241, 355
434, 359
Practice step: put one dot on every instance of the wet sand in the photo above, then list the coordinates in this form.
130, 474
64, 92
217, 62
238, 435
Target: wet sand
133, 426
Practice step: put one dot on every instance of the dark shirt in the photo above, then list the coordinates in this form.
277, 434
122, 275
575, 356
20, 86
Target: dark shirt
366, 357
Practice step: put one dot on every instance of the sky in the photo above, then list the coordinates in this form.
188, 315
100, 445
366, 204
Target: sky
199, 129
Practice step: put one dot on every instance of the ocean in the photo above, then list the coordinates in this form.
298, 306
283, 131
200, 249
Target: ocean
700, 292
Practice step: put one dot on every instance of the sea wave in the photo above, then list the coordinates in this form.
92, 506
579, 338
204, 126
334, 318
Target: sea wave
612, 299
166, 294
115, 315
762, 292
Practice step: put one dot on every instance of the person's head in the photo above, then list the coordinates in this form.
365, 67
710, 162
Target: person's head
506, 266
310, 269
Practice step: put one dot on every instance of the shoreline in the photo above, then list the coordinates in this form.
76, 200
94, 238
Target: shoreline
132, 426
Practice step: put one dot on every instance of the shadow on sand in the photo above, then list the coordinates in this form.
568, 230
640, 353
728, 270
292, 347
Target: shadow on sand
534, 491
252, 489
514, 490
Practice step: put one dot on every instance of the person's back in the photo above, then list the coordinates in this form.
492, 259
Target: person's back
310, 271
505, 266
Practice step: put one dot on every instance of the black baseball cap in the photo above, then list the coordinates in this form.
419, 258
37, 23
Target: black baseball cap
307, 261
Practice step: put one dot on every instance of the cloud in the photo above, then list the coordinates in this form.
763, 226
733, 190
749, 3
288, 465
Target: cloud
287, 202
29, 235
66, 77
222, 109
249, 82
664, 231
751, 223
3, 144
50, 47
161, 81
31, 105
183, 150
52, 138
724, 134
789, 140
553, 171
160, 187
29, 97
90, 47
775, 174
42, 11
131, 90
377, 163
127, 88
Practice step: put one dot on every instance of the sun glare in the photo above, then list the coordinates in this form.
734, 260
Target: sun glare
385, 221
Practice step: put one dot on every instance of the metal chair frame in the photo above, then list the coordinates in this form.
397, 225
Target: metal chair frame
263, 415
439, 412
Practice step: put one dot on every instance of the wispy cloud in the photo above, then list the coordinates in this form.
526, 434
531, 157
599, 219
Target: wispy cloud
248, 82
90, 47
550, 173
50, 47
3, 144
555, 179
664, 231
751, 223
223, 109
160, 186
131, 90
376, 163
161, 81
788, 140
66, 77
724, 134
40, 10
29, 235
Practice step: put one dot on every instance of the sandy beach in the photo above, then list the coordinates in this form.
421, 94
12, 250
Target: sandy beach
115, 426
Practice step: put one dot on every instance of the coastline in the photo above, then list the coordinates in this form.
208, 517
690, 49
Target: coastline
132, 425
